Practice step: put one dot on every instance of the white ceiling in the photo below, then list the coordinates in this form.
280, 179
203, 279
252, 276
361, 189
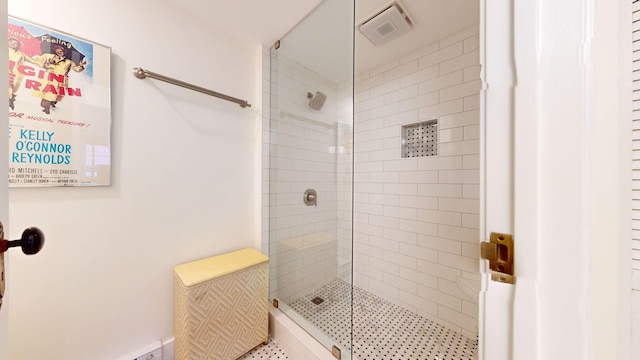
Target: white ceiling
259, 21
433, 20
323, 40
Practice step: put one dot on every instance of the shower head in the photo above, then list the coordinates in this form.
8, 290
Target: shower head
316, 101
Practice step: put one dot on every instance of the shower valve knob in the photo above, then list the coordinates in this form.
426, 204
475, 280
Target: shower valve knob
31, 241
310, 197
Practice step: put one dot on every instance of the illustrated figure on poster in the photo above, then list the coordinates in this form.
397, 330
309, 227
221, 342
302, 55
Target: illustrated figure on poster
17, 58
58, 67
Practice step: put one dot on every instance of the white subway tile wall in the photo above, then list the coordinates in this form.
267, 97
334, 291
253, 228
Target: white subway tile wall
306, 150
416, 220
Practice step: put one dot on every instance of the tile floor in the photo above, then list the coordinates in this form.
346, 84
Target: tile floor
382, 330
270, 351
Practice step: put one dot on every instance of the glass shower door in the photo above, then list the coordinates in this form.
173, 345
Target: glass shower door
310, 174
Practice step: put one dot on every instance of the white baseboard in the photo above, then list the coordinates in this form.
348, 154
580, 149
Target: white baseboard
167, 349
156, 345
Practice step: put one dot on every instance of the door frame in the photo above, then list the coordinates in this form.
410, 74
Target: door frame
4, 197
556, 175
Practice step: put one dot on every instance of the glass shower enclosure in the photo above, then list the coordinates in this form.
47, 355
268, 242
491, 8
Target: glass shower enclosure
373, 180
310, 174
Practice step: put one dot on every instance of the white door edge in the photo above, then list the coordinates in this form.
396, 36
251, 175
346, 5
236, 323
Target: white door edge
508, 313
496, 179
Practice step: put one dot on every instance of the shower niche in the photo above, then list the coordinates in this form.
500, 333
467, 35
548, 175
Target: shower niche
420, 139
391, 149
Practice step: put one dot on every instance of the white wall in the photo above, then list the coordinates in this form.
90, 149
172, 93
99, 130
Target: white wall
183, 185
417, 219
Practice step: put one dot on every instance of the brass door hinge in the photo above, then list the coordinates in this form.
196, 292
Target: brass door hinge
499, 251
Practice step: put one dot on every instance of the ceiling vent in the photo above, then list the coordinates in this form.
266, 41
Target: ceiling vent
387, 25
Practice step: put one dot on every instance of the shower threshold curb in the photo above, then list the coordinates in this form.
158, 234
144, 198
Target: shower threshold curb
294, 340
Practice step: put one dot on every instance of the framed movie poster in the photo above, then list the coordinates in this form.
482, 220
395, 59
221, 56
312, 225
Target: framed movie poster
59, 108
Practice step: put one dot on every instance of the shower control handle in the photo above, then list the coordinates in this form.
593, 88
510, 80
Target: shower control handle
310, 197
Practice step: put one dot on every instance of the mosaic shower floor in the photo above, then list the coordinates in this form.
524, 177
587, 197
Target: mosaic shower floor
382, 330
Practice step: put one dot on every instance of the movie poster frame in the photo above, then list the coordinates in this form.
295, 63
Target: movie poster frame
59, 108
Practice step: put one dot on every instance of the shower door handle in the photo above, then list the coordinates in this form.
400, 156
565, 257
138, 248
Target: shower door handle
499, 251
31, 242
